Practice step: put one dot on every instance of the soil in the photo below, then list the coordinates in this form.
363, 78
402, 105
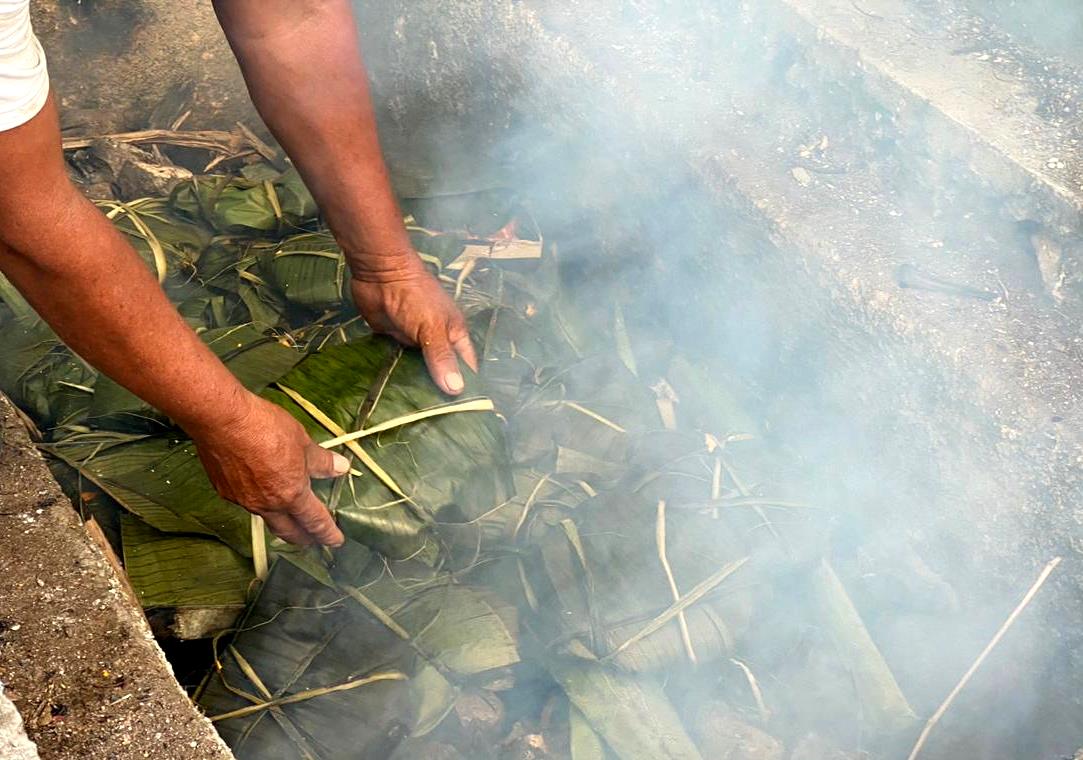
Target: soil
76, 657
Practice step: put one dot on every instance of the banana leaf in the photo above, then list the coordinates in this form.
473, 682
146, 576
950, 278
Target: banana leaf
467, 631
481, 212
161, 480
265, 307
301, 636
309, 270
38, 372
246, 207
603, 583
882, 702
179, 571
632, 714
432, 697
168, 244
194, 311
56, 387
219, 267
427, 461
585, 744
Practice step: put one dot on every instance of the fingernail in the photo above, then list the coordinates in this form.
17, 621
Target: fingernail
340, 464
454, 381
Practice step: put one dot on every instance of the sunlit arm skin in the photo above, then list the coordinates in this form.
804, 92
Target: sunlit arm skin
304, 69
87, 282
302, 62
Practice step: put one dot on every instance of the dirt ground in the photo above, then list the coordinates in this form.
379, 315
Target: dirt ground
76, 658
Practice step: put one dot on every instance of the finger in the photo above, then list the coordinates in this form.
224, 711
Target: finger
317, 521
464, 347
322, 463
286, 528
441, 361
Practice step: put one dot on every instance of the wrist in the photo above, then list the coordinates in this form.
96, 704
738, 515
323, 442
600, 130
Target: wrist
385, 267
227, 413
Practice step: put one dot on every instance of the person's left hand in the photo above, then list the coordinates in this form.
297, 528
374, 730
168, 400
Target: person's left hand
409, 305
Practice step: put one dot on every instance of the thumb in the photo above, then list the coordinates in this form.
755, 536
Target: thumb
322, 463
442, 362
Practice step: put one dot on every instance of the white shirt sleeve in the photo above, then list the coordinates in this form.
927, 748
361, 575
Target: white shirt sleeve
24, 80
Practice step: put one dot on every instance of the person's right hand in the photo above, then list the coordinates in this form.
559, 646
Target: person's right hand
263, 460
409, 304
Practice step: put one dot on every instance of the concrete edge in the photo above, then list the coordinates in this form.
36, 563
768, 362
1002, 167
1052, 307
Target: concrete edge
56, 647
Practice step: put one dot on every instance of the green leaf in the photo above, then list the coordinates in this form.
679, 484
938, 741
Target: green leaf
309, 270
882, 702
631, 713
170, 570
39, 373
159, 236
218, 267
161, 480
585, 743
243, 206
467, 630
483, 212
429, 460
264, 308
300, 635
433, 697
256, 359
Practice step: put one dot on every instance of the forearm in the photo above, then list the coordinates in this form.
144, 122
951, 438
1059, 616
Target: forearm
87, 282
302, 62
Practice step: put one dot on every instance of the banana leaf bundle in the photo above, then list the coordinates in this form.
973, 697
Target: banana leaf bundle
586, 520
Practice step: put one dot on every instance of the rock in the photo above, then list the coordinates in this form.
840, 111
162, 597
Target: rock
138, 179
91, 175
721, 735
526, 747
97, 191
109, 168
13, 742
136, 173
1050, 264
480, 712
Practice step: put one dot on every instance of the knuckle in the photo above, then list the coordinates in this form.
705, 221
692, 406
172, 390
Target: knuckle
456, 324
292, 493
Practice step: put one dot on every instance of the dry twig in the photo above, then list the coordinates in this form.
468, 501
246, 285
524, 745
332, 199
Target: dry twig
946, 704
236, 144
302, 696
682, 621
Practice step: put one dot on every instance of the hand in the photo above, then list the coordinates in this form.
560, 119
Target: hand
410, 306
263, 461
